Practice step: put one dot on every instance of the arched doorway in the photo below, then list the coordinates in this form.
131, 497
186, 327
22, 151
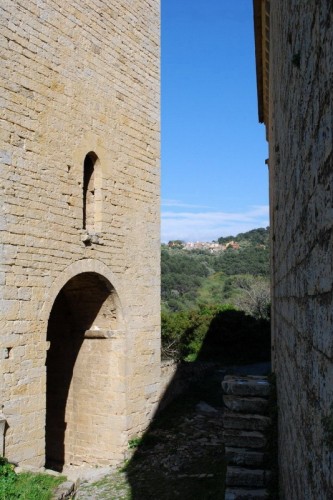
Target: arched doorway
79, 367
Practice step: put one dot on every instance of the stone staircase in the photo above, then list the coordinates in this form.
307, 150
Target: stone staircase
245, 420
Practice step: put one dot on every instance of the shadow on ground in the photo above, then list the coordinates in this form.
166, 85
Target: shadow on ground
181, 455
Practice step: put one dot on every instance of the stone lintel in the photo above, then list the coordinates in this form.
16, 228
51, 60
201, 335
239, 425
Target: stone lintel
100, 334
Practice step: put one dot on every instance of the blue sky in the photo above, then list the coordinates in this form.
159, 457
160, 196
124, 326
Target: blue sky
214, 177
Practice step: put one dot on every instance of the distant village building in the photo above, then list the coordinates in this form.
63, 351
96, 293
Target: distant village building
232, 244
211, 247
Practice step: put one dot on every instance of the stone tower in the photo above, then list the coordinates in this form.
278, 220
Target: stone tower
80, 243
294, 51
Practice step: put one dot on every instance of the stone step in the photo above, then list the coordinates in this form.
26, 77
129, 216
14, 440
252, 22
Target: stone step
243, 456
246, 385
245, 421
246, 404
245, 494
244, 439
241, 476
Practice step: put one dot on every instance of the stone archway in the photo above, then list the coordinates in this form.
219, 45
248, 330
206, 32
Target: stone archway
82, 368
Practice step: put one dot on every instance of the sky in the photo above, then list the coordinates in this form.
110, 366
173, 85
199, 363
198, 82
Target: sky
214, 177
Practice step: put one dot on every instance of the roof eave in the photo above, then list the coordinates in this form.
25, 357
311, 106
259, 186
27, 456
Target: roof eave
257, 17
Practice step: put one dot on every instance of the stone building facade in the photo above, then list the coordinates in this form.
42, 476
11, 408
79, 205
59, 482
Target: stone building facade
80, 242
294, 52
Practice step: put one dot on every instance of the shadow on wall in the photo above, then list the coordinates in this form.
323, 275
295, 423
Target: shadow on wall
85, 302
181, 455
65, 342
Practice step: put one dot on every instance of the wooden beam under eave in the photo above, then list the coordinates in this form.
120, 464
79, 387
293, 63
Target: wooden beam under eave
257, 18
261, 10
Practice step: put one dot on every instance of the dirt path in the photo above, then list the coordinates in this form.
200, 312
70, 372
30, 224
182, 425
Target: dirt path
182, 453
180, 456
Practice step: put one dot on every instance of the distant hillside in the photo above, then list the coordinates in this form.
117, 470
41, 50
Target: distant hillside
255, 237
201, 277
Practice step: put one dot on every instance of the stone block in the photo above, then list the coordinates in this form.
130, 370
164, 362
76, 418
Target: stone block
232, 420
246, 404
64, 490
246, 386
244, 439
243, 456
245, 494
241, 476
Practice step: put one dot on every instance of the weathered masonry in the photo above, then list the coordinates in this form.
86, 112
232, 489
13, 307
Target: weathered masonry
294, 51
80, 245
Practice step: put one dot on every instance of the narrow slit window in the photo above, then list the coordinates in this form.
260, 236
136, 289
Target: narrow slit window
89, 191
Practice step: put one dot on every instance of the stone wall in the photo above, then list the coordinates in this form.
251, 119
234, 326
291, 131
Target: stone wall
80, 91
301, 183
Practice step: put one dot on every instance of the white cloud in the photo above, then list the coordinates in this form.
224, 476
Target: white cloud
180, 204
208, 226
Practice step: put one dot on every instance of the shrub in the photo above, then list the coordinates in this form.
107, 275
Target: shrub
219, 333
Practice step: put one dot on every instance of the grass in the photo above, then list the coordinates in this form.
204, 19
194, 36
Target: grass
135, 442
25, 486
212, 289
218, 288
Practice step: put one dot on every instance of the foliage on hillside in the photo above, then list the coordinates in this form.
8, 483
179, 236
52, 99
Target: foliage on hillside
182, 274
217, 305
258, 236
193, 277
246, 260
